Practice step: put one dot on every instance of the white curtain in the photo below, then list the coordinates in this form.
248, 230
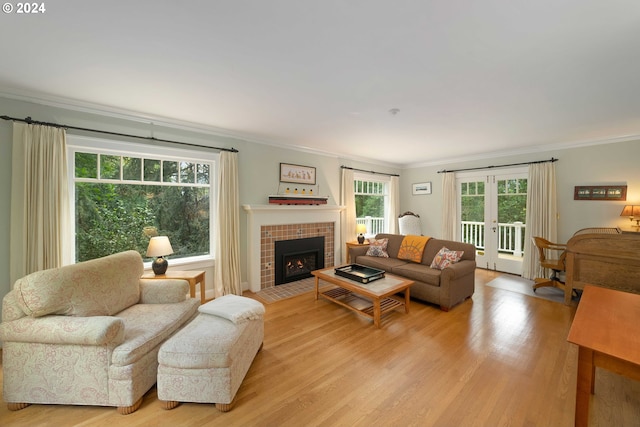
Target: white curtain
542, 214
40, 234
449, 206
348, 200
227, 229
394, 204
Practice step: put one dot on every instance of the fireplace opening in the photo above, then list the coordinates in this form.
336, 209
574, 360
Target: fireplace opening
295, 259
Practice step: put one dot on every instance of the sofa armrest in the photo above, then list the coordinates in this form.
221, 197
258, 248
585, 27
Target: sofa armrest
459, 269
10, 307
457, 282
356, 251
52, 329
163, 291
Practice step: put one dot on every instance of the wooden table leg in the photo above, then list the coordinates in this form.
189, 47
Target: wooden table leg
192, 287
407, 298
585, 386
317, 280
203, 297
376, 312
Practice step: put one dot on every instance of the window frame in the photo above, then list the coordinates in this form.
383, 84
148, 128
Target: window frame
85, 144
386, 181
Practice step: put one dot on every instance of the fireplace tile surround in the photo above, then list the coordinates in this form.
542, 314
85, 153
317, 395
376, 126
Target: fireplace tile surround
270, 234
268, 223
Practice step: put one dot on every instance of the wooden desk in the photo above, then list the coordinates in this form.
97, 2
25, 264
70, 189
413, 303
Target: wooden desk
606, 331
192, 277
608, 260
352, 245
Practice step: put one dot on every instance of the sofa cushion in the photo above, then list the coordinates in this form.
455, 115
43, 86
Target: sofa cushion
445, 257
385, 264
99, 287
412, 248
418, 272
378, 248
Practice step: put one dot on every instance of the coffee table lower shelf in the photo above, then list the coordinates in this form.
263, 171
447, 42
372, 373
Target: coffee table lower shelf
359, 304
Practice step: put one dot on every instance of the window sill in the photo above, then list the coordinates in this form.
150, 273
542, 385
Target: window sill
191, 263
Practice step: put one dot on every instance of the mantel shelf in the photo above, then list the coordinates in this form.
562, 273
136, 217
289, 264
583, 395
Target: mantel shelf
272, 207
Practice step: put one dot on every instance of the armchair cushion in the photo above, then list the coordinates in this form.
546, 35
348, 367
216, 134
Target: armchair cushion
145, 329
100, 287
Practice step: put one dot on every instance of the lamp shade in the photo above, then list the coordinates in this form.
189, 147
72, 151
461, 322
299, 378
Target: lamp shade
361, 228
631, 210
159, 246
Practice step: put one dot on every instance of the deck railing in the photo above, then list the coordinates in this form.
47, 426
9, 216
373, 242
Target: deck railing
374, 225
510, 236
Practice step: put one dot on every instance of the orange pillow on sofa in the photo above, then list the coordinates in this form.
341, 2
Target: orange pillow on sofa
412, 248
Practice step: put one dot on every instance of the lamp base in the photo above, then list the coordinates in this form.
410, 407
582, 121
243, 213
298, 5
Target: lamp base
361, 239
159, 266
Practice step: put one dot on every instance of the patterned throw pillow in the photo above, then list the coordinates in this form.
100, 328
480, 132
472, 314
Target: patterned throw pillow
444, 258
378, 248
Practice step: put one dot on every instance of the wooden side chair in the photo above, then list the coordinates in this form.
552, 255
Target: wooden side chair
556, 265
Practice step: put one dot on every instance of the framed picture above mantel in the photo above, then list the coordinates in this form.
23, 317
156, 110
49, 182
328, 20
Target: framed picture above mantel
297, 174
600, 192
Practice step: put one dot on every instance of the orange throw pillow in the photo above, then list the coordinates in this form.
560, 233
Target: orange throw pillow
412, 248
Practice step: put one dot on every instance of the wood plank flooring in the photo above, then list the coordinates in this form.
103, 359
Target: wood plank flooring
499, 359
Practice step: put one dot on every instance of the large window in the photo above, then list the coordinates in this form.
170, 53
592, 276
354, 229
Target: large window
123, 198
372, 203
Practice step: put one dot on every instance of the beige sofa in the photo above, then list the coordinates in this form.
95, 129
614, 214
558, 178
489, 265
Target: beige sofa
445, 288
88, 333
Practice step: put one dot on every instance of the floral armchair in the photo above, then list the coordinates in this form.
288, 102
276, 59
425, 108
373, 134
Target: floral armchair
88, 333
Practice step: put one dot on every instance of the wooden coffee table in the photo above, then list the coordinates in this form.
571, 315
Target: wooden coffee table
371, 300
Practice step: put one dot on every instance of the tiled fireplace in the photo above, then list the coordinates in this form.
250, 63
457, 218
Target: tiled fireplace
267, 224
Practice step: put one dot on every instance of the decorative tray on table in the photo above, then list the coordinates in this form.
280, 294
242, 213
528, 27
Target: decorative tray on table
360, 273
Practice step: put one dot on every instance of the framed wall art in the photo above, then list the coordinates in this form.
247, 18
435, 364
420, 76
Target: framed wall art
297, 174
421, 188
600, 192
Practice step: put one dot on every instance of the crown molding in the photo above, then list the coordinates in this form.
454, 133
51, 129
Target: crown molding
527, 150
139, 117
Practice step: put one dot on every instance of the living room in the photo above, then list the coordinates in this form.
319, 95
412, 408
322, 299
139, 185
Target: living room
511, 363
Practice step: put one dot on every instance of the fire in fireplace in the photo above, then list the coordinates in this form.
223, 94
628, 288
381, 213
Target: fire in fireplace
295, 259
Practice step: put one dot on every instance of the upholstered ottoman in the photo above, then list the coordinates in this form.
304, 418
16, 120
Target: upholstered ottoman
206, 361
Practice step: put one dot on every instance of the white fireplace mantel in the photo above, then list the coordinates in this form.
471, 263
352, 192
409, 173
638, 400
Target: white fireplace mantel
261, 215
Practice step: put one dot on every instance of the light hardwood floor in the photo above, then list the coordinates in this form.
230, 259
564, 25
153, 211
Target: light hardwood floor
499, 359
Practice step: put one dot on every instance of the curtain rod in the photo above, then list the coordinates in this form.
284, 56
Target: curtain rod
362, 170
500, 166
30, 121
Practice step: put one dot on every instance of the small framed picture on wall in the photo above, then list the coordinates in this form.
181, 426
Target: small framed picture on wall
421, 188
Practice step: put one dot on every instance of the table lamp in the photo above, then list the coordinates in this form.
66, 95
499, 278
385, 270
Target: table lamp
159, 247
360, 230
633, 212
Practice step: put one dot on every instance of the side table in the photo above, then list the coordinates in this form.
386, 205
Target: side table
353, 245
192, 277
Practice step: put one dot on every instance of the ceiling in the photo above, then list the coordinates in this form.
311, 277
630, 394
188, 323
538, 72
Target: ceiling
464, 78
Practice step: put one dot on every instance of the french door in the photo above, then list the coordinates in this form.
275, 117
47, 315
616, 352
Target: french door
492, 212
